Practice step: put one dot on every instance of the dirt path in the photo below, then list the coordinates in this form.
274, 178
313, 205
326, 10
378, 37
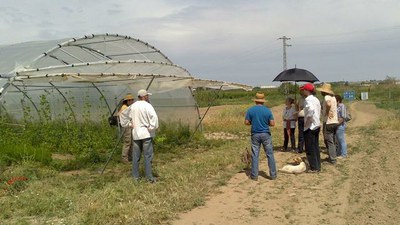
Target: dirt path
362, 189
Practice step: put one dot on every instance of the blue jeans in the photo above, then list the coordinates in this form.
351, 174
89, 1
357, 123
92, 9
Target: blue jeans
340, 138
145, 145
266, 140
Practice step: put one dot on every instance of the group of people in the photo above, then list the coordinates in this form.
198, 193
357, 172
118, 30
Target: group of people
306, 114
139, 121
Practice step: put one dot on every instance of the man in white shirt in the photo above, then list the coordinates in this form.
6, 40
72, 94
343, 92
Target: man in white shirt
330, 119
312, 124
143, 118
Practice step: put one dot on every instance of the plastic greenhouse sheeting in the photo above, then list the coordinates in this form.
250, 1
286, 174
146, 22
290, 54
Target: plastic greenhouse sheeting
85, 78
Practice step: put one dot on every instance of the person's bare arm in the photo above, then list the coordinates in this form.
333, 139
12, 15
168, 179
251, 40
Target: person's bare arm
247, 122
328, 107
272, 123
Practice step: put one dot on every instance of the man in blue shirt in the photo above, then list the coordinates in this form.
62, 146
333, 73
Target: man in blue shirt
261, 119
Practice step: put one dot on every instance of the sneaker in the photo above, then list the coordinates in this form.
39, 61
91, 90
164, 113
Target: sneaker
339, 157
284, 149
313, 171
152, 180
254, 178
272, 178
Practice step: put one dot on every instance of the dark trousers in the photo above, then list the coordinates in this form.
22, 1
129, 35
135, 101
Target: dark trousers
311, 139
300, 146
286, 138
329, 139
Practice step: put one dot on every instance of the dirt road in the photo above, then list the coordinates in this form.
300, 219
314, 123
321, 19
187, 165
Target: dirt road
362, 189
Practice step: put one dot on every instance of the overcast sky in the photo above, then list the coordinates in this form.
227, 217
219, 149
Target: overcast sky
230, 40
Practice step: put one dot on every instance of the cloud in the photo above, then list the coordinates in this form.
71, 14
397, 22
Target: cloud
231, 40
67, 9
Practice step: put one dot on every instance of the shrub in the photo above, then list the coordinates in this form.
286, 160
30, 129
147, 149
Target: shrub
15, 152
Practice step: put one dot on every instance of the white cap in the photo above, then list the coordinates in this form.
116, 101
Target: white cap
142, 93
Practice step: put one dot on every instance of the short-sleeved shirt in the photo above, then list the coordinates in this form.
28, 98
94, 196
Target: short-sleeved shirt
259, 116
331, 118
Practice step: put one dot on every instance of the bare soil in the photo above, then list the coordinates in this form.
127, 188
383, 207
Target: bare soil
361, 189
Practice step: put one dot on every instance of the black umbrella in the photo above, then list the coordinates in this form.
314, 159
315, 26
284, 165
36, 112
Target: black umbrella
296, 75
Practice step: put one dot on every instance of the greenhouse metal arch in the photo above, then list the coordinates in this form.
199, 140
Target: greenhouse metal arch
85, 79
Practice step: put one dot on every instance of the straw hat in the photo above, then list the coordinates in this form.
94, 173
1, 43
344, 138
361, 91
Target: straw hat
260, 97
327, 88
128, 97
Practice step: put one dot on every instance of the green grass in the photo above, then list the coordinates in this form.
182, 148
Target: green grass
188, 172
114, 197
205, 98
13, 153
384, 96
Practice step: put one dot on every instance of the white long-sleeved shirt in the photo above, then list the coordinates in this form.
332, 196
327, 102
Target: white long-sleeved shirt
312, 113
142, 117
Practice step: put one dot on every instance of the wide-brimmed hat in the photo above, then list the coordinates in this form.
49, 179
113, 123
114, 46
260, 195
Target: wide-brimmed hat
307, 87
327, 88
128, 97
260, 97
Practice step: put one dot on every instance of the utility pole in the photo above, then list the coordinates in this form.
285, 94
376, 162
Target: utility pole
284, 39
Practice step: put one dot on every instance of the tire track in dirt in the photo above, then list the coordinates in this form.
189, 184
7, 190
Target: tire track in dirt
375, 187
324, 198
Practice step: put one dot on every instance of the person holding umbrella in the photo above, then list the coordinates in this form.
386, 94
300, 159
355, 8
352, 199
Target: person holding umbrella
312, 124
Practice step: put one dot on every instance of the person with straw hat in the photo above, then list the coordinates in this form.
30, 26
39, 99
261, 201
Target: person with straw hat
126, 155
260, 118
312, 124
330, 120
